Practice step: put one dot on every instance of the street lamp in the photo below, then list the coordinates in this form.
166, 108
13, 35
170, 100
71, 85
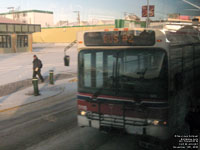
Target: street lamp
78, 17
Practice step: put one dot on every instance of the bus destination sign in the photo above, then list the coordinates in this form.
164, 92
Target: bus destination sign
120, 38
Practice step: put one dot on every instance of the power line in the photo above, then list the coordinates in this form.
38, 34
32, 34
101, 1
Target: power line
196, 6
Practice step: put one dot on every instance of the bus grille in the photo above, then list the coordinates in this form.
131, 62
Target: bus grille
115, 121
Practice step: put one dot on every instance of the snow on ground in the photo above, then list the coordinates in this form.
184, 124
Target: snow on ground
18, 66
26, 96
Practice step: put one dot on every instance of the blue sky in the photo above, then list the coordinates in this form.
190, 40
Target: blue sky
101, 9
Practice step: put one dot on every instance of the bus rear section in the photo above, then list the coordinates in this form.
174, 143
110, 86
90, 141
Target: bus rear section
123, 86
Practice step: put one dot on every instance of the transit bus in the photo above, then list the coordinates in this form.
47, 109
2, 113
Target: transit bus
142, 81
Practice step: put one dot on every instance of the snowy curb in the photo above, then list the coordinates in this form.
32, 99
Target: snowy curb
24, 97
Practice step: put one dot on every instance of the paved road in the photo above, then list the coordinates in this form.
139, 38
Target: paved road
51, 124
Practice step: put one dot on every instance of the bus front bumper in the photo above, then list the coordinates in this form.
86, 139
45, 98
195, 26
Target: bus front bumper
158, 131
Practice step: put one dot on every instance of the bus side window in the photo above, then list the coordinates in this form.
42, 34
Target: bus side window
178, 81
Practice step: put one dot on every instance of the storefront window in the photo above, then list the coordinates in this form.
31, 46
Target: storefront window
22, 41
5, 41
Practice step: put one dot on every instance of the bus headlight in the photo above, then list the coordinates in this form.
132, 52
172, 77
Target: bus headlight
83, 113
149, 121
155, 122
165, 123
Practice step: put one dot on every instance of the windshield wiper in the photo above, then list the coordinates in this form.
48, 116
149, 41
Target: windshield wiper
98, 92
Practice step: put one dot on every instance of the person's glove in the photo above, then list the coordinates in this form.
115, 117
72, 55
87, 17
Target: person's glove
36, 69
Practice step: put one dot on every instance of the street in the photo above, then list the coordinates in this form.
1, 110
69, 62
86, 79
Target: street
51, 124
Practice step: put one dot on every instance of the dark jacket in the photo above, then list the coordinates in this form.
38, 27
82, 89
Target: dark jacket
37, 64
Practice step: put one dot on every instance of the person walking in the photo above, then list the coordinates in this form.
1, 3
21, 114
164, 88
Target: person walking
37, 65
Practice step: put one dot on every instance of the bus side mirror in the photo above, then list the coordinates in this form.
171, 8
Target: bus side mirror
66, 60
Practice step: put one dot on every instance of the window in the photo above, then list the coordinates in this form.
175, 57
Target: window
24, 14
124, 71
87, 70
22, 41
5, 41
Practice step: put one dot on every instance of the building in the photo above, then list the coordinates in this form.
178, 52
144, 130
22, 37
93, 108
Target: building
62, 23
16, 36
175, 25
106, 22
181, 18
44, 18
131, 17
121, 23
86, 23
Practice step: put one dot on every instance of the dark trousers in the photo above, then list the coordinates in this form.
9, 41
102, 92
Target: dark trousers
39, 74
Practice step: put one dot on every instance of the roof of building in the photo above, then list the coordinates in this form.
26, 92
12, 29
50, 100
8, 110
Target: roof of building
28, 11
6, 20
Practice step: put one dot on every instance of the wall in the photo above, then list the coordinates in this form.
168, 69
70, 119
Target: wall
44, 19
7, 50
25, 49
29, 18
14, 47
64, 34
9, 16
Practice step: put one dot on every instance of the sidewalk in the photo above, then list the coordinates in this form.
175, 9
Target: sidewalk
25, 96
18, 66
10, 88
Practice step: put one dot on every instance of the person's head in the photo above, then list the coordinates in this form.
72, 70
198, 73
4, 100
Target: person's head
34, 57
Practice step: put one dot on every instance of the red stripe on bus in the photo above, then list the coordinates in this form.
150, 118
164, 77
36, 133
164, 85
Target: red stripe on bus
122, 98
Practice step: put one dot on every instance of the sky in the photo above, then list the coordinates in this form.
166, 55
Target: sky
102, 9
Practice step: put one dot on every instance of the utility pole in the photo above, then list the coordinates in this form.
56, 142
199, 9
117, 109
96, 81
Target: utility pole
78, 17
125, 14
12, 10
147, 20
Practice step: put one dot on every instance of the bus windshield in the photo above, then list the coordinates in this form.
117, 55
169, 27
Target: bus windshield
124, 72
